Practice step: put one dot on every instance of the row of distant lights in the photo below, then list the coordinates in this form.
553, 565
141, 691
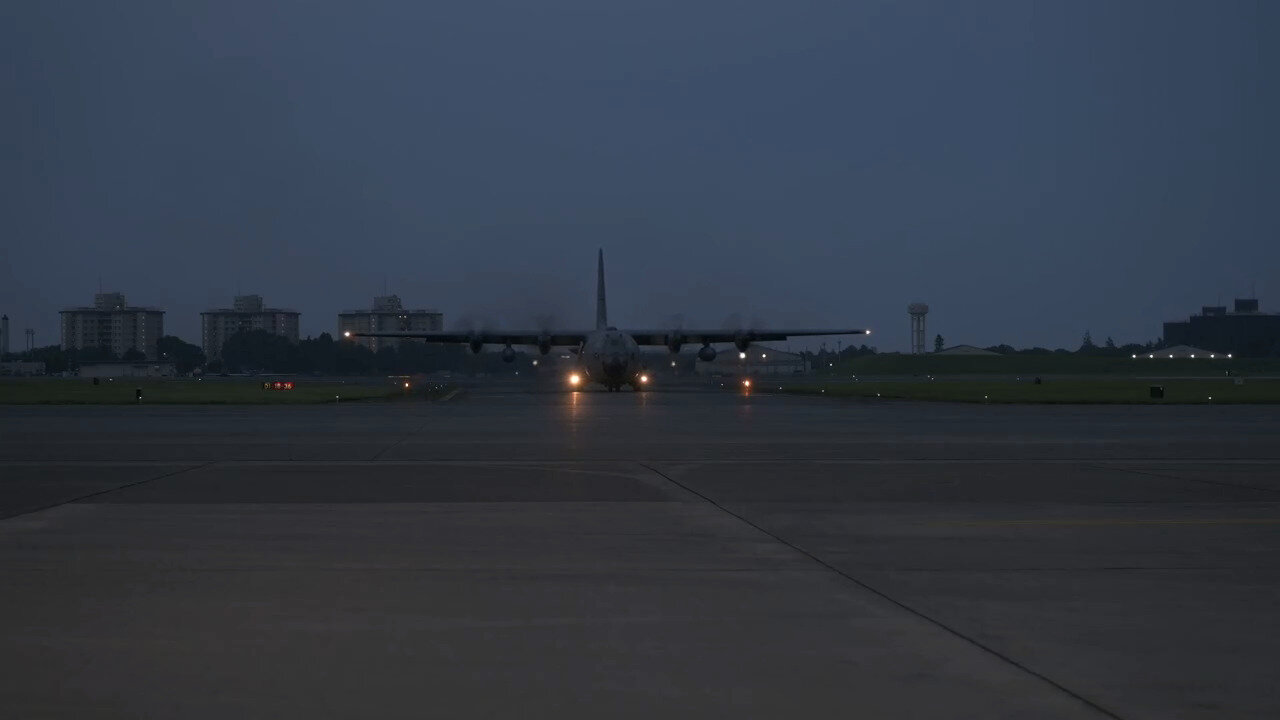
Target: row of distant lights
1211, 357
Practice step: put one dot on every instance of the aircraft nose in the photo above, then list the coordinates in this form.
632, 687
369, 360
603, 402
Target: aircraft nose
614, 364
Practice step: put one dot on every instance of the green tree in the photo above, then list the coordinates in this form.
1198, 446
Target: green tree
1086, 344
55, 359
260, 351
352, 358
319, 355
937, 343
184, 356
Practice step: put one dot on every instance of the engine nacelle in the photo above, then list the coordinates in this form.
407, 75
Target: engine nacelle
508, 354
476, 346
707, 353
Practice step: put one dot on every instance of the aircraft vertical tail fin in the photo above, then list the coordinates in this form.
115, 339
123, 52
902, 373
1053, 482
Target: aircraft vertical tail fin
602, 314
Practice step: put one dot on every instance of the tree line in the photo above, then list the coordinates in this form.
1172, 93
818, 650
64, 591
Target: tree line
1088, 347
258, 351
185, 356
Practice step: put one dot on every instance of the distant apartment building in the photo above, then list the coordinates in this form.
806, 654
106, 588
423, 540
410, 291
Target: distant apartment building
112, 325
246, 313
388, 315
4, 335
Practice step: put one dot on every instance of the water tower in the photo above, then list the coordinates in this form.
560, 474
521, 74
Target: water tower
917, 311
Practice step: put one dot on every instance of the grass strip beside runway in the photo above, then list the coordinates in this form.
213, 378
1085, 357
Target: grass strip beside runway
1075, 391
123, 391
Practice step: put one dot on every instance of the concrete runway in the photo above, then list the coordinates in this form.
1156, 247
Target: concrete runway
684, 554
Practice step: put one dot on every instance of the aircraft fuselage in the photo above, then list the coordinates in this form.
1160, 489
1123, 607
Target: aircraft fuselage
612, 358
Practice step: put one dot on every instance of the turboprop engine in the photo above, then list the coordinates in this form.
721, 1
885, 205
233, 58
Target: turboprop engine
674, 341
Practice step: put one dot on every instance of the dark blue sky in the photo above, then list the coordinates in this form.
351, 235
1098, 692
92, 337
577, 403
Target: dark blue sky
1030, 169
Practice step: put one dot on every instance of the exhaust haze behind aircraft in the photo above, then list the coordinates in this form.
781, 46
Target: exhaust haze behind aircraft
607, 355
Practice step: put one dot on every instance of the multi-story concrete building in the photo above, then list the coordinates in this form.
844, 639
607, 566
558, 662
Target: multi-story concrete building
1243, 332
247, 313
388, 315
112, 325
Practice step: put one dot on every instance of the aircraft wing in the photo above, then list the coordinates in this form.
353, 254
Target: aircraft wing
487, 337
666, 337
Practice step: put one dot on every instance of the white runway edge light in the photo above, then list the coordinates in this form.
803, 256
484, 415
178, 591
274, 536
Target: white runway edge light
1212, 356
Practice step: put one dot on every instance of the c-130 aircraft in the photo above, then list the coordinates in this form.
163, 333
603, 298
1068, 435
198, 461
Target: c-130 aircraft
607, 355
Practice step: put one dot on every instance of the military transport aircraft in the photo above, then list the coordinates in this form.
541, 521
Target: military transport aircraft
607, 355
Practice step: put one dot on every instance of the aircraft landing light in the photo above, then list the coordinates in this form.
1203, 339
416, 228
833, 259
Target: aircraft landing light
574, 379
746, 383
644, 379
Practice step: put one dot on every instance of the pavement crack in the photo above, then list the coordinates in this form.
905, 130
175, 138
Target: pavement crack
108, 491
401, 439
1164, 476
888, 598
